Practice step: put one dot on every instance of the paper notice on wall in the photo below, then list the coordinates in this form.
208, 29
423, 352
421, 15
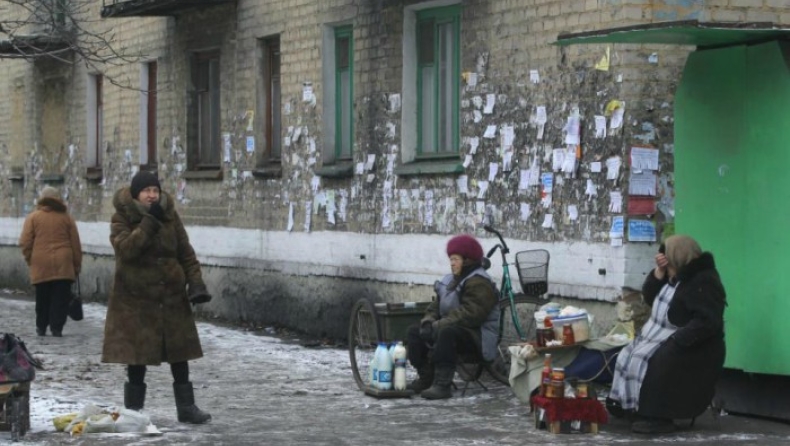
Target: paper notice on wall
612, 168
534, 76
641, 231
643, 183
618, 227
615, 202
547, 180
474, 143
290, 225
644, 158
307, 92
463, 184
482, 187
572, 129
394, 100
573, 212
250, 117
507, 160
595, 167
600, 126
569, 161
508, 134
390, 163
315, 183
540, 119
617, 117
534, 173
308, 215
524, 211
371, 161
428, 208
477, 116
557, 159
250, 144
359, 168
523, 179
331, 207
343, 205
226, 147
548, 221
591, 190
490, 132
467, 161
493, 168
471, 79
490, 103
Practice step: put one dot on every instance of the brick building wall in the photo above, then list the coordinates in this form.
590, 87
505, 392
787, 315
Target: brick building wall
298, 228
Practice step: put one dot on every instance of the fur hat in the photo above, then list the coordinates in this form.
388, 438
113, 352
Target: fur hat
466, 246
142, 180
49, 192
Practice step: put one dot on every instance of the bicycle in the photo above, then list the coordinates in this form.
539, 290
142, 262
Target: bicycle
532, 267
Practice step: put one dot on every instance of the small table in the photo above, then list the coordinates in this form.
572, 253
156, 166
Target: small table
554, 411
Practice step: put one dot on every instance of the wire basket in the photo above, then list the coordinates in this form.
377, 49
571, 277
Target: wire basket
533, 271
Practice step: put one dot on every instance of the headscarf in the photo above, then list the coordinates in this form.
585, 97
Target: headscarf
681, 250
49, 192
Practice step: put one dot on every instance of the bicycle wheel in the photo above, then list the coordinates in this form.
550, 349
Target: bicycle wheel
364, 333
522, 308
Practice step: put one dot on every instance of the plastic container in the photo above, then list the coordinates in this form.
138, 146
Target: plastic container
579, 323
399, 363
383, 367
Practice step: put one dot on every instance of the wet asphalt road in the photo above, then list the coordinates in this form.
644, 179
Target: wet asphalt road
264, 390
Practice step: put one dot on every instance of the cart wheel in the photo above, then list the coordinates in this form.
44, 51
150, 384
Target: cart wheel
364, 333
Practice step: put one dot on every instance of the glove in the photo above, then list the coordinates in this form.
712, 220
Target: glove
198, 296
156, 211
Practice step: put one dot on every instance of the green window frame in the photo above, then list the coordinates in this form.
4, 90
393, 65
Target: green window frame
438, 81
344, 92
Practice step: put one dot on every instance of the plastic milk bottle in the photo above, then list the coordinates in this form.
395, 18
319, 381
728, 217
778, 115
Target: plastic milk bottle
372, 372
399, 360
384, 367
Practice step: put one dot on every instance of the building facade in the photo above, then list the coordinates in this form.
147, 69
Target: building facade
323, 151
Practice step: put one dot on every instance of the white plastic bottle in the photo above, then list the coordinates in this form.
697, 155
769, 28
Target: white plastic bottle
372, 372
383, 367
399, 360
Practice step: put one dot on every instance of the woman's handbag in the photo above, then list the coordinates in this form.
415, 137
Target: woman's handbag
75, 305
16, 363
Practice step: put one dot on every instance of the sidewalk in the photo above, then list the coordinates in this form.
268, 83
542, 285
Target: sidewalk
265, 391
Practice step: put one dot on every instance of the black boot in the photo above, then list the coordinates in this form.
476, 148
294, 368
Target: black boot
134, 396
424, 379
185, 405
442, 384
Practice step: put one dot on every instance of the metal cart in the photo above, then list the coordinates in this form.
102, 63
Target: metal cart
373, 323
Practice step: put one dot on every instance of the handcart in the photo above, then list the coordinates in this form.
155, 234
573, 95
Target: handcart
373, 323
15, 408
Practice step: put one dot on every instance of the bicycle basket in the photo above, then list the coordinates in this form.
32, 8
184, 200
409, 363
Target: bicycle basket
533, 271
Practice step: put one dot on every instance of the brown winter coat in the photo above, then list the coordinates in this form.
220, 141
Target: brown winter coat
149, 319
50, 243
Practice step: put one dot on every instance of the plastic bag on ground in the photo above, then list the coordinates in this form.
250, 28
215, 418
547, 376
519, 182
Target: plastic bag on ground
100, 423
131, 421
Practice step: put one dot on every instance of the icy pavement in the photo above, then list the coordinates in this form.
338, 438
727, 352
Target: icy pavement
266, 391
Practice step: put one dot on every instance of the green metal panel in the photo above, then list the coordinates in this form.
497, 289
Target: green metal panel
731, 112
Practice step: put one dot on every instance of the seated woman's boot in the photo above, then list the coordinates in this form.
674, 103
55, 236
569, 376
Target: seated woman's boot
442, 384
188, 412
423, 381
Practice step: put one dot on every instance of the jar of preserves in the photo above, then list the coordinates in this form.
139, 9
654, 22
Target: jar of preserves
558, 374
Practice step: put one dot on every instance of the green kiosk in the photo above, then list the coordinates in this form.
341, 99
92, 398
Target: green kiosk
732, 187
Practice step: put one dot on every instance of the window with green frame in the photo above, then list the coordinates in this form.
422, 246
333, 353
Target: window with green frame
438, 80
344, 91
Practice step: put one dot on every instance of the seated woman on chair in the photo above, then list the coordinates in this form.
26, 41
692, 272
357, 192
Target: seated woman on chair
463, 319
670, 370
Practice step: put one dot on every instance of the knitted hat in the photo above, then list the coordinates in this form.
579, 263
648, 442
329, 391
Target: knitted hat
49, 192
466, 246
142, 180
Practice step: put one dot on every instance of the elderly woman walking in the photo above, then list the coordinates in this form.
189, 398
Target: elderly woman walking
670, 370
157, 276
51, 246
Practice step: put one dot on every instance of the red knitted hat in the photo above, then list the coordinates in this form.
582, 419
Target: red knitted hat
466, 246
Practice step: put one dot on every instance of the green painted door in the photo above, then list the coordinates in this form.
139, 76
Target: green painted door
732, 185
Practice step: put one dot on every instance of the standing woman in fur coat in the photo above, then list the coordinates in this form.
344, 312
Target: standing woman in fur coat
51, 246
157, 276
